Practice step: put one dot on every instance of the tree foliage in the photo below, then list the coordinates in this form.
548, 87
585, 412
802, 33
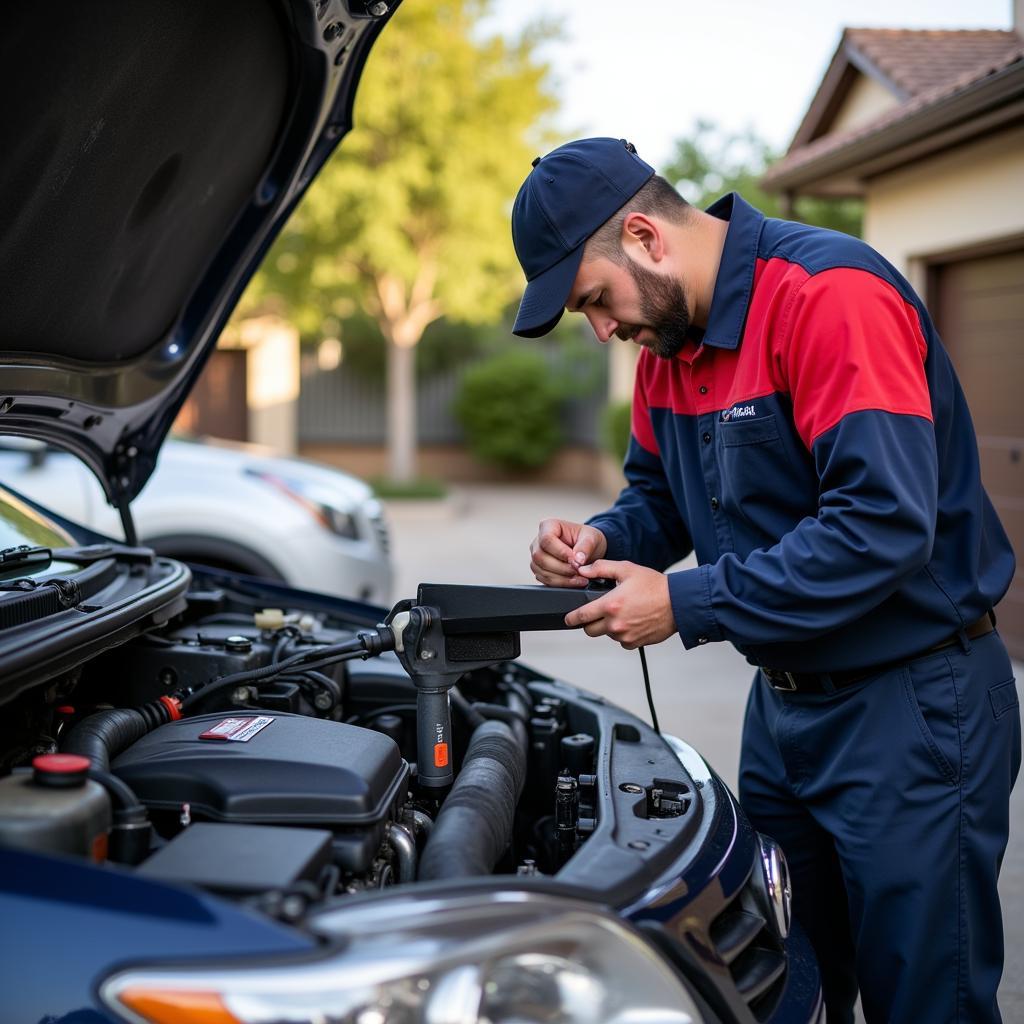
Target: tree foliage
616, 425
508, 407
709, 163
409, 221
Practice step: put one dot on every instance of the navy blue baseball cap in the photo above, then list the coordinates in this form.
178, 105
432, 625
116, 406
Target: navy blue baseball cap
567, 196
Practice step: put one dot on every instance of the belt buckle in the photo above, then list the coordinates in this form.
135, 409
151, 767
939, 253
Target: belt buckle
785, 682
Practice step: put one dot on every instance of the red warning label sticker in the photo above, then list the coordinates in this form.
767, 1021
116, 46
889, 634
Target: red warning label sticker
238, 730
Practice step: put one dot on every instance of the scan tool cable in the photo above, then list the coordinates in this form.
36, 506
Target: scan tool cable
647, 686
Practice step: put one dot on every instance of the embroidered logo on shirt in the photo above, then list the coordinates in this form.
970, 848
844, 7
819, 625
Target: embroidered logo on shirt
738, 412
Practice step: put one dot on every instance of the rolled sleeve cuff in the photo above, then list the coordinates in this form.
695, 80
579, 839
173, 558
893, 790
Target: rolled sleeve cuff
618, 549
690, 594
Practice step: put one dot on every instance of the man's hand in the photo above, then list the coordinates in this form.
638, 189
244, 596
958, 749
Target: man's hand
560, 548
636, 613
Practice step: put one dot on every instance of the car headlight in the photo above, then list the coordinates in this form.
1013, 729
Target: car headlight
319, 501
506, 958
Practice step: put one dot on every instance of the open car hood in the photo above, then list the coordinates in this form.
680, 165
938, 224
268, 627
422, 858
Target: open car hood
152, 153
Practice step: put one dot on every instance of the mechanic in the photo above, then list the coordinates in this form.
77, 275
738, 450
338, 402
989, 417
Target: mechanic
797, 422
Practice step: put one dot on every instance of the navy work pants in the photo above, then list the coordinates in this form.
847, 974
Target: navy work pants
891, 801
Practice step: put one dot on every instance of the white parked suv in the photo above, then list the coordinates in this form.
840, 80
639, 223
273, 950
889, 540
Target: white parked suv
232, 507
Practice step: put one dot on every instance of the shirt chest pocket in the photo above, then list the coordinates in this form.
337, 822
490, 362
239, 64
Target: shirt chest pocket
755, 469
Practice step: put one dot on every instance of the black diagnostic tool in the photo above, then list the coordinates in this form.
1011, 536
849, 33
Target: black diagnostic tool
452, 629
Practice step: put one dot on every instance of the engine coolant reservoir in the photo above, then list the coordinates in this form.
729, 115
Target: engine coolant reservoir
55, 808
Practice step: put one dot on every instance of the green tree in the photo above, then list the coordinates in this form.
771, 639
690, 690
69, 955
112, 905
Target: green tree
409, 220
708, 163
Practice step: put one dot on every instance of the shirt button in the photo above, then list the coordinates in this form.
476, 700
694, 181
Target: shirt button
706, 438
702, 639
703, 389
714, 503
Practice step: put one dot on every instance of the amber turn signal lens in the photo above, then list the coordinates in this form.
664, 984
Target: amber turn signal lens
177, 1007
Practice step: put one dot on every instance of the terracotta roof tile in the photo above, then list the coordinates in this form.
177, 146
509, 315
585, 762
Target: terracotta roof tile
957, 75
919, 60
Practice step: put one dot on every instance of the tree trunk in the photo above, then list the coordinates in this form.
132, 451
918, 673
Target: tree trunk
401, 412
403, 317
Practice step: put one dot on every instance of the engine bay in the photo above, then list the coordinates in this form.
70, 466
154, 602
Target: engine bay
274, 755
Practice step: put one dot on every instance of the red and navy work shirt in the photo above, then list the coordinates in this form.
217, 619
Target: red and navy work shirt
814, 447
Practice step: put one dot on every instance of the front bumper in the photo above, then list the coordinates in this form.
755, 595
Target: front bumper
710, 914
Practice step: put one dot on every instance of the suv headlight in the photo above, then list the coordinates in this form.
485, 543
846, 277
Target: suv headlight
505, 958
319, 501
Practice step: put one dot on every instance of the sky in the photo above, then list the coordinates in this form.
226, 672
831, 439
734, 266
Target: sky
646, 70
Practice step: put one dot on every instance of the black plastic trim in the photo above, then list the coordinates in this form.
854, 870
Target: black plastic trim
68, 638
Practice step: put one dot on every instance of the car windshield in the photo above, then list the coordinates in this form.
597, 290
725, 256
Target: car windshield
21, 524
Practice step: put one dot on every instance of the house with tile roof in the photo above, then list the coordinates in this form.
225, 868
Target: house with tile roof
927, 127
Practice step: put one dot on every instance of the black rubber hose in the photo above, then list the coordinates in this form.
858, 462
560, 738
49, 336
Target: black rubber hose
474, 826
105, 734
469, 714
518, 699
129, 806
514, 719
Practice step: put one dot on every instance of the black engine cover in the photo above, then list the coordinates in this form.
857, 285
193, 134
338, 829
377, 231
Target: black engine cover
278, 769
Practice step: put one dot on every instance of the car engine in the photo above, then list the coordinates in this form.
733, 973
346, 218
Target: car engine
233, 749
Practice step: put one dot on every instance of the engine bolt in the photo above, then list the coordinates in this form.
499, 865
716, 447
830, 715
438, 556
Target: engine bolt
426, 654
631, 787
322, 701
240, 694
379, 9
292, 907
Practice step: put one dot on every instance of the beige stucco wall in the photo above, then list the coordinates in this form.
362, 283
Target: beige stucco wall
969, 196
272, 385
865, 101
621, 370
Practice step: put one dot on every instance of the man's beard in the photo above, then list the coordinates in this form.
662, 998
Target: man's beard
663, 307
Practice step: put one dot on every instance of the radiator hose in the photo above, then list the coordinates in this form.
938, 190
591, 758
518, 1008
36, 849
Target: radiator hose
474, 826
105, 734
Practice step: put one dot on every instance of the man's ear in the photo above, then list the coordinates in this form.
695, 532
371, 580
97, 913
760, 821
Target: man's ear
644, 237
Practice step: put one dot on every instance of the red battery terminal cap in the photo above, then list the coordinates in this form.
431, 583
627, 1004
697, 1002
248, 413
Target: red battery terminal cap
60, 770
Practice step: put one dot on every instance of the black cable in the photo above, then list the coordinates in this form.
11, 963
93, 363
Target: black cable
325, 682
315, 658
647, 685
286, 636
314, 683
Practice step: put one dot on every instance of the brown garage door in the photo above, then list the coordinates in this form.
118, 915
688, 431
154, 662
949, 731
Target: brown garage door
216, 407
980, 315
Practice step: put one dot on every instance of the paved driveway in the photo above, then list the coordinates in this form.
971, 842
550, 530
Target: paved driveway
481, 535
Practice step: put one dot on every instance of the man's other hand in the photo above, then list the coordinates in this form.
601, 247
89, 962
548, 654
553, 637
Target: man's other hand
560, 548
636, 613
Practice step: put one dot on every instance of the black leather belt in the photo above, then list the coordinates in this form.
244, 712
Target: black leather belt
815, 682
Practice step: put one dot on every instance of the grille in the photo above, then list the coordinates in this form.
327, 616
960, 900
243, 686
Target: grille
744, 936
380, 529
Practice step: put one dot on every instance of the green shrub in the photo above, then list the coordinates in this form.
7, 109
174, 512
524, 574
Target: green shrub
421, 487
615, 428
508, 407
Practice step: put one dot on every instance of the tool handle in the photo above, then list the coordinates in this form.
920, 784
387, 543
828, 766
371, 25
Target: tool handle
434, 737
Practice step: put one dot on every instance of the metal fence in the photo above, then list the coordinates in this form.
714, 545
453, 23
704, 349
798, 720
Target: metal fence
347, 408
